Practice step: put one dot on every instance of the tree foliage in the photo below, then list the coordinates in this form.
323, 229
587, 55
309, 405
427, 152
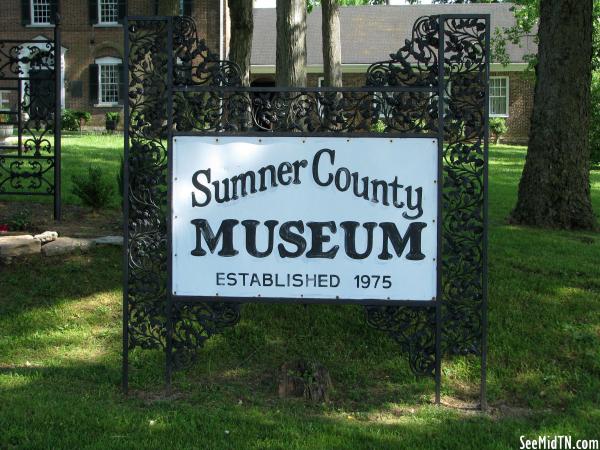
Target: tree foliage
416, 2
467, 1
527, 16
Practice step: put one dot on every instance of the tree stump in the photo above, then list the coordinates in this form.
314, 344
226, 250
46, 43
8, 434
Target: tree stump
306, 379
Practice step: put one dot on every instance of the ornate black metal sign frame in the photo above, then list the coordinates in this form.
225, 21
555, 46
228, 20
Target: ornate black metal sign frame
435, 85
31, 71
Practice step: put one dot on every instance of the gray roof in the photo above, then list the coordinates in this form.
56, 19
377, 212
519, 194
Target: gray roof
371, 33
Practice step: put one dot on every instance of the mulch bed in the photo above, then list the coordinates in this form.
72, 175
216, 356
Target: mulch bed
77, 221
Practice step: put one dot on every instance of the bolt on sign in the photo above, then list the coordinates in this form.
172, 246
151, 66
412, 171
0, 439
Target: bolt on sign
373, 195
305, 218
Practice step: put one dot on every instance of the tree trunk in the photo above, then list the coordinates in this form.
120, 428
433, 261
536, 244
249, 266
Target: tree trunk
290, 56
240, 45
555, 186
168, 8
332, 49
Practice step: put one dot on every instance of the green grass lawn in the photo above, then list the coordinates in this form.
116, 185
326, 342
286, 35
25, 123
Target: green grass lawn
79, 152
60, 361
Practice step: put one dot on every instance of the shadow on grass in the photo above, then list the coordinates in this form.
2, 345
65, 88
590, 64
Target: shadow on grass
33, 289
544, 355
68, 309
81, 406
543, 310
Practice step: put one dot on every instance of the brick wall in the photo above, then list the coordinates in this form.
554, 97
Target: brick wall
84, 42
520, 104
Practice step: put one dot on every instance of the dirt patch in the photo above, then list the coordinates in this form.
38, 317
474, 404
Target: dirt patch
151, 397
77, 221
496, 411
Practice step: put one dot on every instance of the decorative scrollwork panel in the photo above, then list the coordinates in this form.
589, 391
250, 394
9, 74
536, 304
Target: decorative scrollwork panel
147, 163
149, 313
415, 63
465, 67
194, 323
29, 160
413, 329
465, 62
18, 174
306, 111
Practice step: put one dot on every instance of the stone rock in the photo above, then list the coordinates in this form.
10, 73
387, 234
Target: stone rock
46, 236
109, 240
65, 245
11, 246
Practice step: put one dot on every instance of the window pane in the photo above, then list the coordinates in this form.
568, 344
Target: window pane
4, 99
41, 11
498, 106
502, 86
109, 11
109, 83
494, 90
498, 96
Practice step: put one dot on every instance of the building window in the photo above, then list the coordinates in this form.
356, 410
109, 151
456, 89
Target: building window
108, 12
108, 84
499, 96
40, 12
105, 81
4, 101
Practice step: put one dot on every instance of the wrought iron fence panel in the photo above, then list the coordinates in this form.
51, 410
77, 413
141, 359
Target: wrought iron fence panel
30, 71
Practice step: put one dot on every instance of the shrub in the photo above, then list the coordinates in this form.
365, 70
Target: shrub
595, 120
498, 128
20, 221
68, 121
73, 120
112, 119
93, 190
113, 116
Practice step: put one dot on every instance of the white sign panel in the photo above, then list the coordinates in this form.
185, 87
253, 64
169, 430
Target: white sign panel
305, 218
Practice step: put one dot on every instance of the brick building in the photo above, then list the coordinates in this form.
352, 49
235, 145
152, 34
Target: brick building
371, 33
92, 43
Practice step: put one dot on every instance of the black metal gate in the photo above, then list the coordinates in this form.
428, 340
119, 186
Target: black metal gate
436, 85
30, 73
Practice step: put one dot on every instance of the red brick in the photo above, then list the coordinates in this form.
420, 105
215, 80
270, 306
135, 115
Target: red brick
85, 43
